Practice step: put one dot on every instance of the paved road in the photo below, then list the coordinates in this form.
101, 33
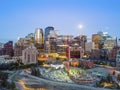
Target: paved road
29, 82
10, 79
52, 85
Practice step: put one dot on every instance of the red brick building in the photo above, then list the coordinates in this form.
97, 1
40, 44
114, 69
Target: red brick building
8, 49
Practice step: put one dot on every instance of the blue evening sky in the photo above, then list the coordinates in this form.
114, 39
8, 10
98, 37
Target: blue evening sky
21, 17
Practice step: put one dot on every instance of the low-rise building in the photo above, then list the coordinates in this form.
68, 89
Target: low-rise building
29, 55
82, 63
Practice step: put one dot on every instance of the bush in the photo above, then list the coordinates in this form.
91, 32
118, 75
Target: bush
11, 86
4, 83
41, 62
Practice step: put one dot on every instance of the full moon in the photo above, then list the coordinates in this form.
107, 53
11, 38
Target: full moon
80, 26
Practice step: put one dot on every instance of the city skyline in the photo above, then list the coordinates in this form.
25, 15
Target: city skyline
73, 17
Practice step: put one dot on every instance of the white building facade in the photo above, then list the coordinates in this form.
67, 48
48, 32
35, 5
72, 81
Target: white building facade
29, 55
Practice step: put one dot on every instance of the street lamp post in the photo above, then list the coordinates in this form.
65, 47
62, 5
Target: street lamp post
80, 52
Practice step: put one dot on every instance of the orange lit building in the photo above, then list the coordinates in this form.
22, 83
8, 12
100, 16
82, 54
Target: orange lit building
96, 38
42, 57
85, 63
74, 64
